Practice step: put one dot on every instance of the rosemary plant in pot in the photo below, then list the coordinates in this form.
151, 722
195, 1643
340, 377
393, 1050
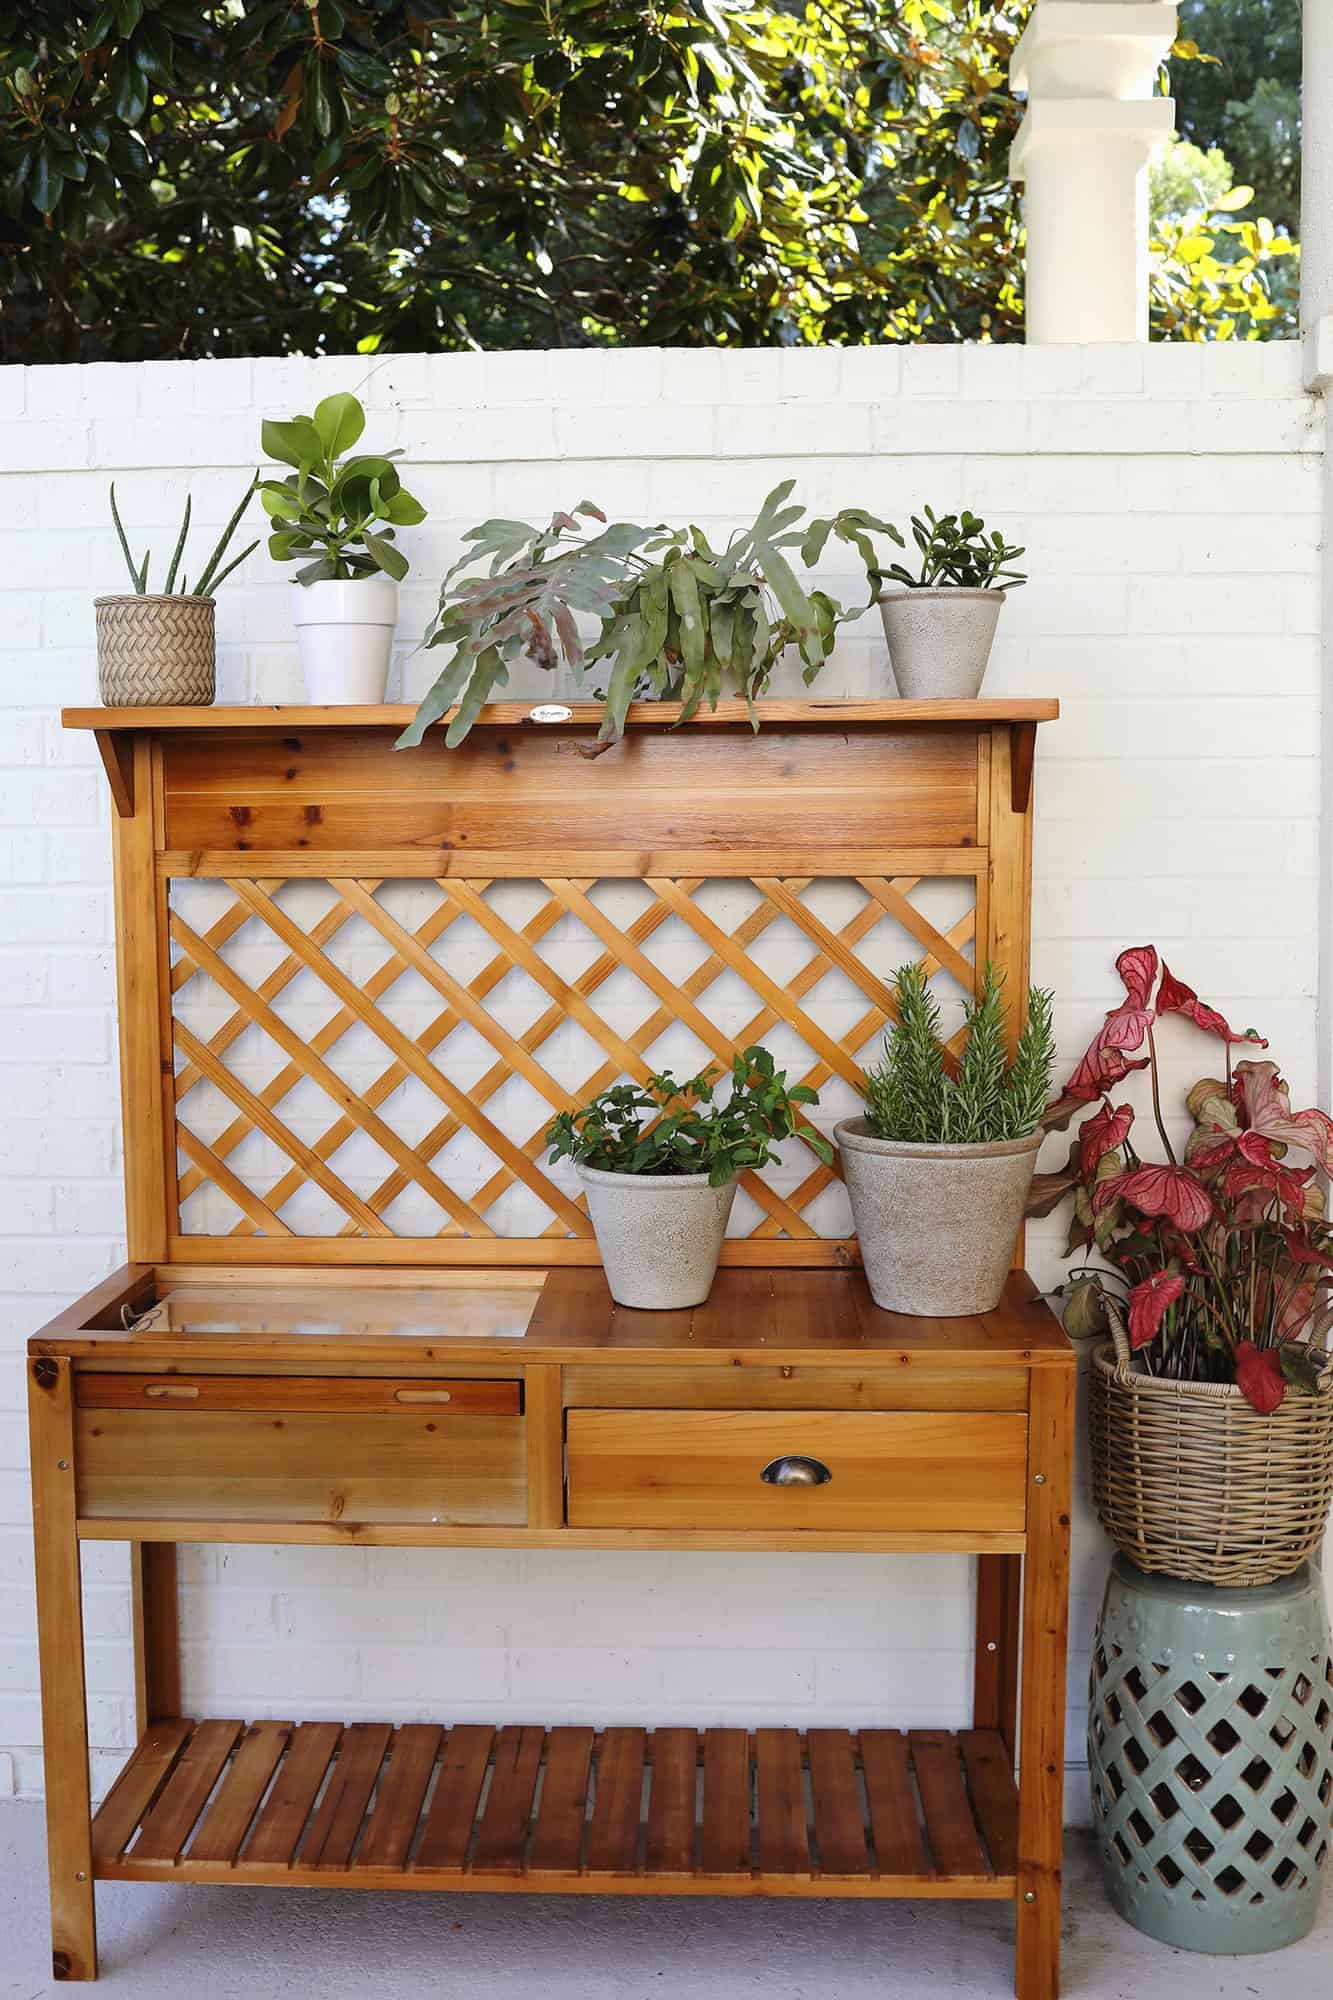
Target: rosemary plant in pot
939, 1167
659, 1163
157, 648
940, 623
1211, 1402
339, 517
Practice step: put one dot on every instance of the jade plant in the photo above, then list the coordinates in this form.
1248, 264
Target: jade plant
680, 619
210, 576
956, 553
344, 512
910, 1095
663, 1126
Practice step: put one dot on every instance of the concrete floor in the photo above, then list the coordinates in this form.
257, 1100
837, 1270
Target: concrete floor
232, 1944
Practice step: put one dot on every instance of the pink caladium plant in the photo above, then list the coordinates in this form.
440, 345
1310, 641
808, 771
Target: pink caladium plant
1219, 1264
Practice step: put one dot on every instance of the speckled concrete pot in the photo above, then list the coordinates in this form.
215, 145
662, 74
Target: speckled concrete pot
936, 1223
660, 1235
940, 640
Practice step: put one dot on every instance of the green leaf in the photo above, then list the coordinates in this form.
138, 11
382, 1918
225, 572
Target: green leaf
403, 510
339, 421
295, 442
386, 557
490, 669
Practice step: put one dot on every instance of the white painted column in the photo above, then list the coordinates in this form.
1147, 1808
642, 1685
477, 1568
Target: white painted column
1316, 163
1091, 127
1317, 328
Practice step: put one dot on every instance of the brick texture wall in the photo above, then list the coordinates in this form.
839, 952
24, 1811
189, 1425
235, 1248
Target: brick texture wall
1170, 501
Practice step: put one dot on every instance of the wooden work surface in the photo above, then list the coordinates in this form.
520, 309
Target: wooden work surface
774, 1317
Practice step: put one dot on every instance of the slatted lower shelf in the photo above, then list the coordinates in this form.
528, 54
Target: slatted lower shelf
825, 1812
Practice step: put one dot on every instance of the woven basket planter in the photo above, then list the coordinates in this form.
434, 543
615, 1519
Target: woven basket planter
1188, 1480
155, 651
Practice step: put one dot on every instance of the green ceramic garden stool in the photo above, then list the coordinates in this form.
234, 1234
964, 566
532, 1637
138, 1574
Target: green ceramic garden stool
1210, 1740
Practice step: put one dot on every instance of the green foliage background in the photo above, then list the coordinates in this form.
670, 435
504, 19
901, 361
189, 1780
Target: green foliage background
362, 174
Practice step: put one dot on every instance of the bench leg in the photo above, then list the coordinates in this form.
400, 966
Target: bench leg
60, 1650
995, 1676
1041, 1735
156, 1618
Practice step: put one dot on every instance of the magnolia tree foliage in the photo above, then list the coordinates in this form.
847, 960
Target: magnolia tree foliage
228, 180
358, 174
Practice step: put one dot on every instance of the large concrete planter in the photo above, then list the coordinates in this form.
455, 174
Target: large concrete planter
940, 640
660, 1235
936, 1223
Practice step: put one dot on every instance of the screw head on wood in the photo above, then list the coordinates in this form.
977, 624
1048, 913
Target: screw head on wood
62, 1465
1039, 1479
1029, 1895
44, 1373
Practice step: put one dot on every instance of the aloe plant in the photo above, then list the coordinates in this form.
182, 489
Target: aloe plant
681, 620
210, 576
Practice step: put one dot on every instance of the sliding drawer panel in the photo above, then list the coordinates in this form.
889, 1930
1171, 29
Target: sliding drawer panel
245, 1448
876, 1472
796, 1388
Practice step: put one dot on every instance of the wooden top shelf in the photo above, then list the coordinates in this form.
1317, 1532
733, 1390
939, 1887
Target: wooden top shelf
582, 715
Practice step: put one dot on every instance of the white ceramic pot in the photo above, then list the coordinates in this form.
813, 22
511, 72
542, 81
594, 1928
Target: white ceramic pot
936, 1224
345, 635
940, 640
660, 1235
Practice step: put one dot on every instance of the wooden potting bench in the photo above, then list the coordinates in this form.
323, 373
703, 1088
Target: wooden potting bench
359, 1311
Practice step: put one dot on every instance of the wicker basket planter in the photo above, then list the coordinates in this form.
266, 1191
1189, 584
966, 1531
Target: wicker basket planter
1190, 1481
155, 651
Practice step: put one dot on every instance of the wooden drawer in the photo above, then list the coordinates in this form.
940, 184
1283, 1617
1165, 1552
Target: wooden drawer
796, 1388
889, 1471
299, 1448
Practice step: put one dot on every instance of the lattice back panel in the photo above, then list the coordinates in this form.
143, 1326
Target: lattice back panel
363, 1058
356, 984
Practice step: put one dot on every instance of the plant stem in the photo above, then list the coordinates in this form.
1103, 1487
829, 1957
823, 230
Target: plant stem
1156, 1098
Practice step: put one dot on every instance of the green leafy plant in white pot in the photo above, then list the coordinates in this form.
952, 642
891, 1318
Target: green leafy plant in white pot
339, 516
938, 1169
940, 620
157, 647
659, 1162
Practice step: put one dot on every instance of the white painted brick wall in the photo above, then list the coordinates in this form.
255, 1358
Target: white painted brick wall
1170, 501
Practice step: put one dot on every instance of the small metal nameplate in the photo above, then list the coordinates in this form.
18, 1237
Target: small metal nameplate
550, 711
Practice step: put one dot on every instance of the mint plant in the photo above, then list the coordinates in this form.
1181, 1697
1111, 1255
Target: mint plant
667, 1127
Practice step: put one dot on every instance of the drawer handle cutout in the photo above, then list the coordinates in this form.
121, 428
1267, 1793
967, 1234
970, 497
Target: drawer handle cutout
796, 1471
422, 1396
176, 1392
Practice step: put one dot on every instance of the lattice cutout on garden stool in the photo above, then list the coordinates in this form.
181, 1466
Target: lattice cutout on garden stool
1221, 1784
382, 1059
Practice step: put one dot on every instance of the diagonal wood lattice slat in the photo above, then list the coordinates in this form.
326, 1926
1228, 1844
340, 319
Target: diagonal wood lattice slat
791, 1004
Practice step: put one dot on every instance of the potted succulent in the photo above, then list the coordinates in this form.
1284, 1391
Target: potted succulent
939, 1167
343, 514
940, 624
1212, 1400
659, 1163
157, 647
679, 619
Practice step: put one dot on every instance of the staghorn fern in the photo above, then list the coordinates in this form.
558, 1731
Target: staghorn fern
681, 620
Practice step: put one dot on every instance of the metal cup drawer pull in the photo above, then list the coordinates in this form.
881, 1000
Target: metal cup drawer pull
796, 1471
